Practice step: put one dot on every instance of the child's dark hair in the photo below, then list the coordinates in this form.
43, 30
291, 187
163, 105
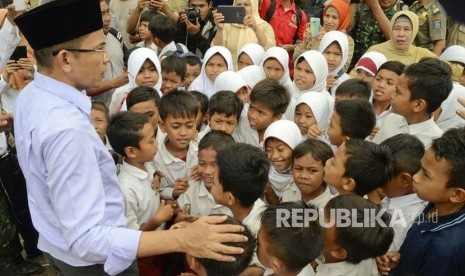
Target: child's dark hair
369, 164
225, 102
100, 106
142, 94
366, 242
294, 246
243, 172
202, 99
357, 118
459, 131
354, 88
452, 149
272, 95
216, 140
393, 66
163, 28
320, 150
242, 261
124, 130
174, 64
192, 60
127, 54
178, 104
407, 151
147, 15
430, 80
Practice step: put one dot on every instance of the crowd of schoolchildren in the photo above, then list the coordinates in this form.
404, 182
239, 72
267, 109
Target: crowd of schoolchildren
210, 133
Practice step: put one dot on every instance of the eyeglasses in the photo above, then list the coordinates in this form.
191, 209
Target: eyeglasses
104, 51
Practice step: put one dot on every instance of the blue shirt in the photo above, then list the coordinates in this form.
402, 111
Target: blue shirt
434, 247
76, 203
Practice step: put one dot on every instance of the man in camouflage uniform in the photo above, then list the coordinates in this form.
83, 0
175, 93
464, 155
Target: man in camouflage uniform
432, 26
366, 31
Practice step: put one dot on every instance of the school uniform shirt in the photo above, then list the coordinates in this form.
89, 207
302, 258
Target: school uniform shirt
366, 268
202, 83
448, 118
409, 207
171, 47
382, 117
243, 133
307, 271
152, 46
293, 194
75, 200
252, 221
141, 201
9, 39
172, 167
201, 201
395, 124
434, 247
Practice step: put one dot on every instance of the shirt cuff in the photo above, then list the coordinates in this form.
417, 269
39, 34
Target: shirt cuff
123, 250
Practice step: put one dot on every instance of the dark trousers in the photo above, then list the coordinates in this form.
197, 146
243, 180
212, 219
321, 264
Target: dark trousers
93, 270
13, 182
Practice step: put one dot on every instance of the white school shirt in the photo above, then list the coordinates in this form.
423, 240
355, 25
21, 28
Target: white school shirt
171, 47
201, 201
410, 206
141, 201
307, 271
117, 99
364, 268
252, 221
173, 168
395, 124
243, 133
382, 117
293, 194
152, 46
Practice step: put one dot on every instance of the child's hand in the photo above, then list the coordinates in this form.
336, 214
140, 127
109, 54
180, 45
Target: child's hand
156, 181
184, 215
164, 213
195, 175
314, 132
387, 262
180, 186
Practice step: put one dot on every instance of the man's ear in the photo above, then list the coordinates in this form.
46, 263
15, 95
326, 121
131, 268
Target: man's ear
277, 265
405, 180
229, 198
457, 195
64, 61
278, 117
207, 118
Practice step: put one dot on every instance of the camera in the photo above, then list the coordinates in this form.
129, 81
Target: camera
192, 14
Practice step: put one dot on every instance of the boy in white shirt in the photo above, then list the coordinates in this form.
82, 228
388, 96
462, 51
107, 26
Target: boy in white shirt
132, 136
238, 183
289, 250
420, 90
177, 154
163, 30
199, 196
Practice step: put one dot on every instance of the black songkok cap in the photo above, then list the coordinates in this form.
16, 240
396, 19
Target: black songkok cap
59, 21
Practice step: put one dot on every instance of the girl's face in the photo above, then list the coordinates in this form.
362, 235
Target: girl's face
244, 94
304, 118
147, 75
246, 4
331, 20
215, 66
308, 174
273, 69
402, 35
384, 85
279, 154
303, 76
244, 60
333, 56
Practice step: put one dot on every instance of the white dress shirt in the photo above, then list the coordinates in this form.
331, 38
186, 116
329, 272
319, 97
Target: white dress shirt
201, 201
366, 268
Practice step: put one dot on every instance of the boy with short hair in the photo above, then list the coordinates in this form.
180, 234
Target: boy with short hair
353, 89
350, 249
359, 167
239, 182
224, 111
199, 196
193, 68
173, 72
435, 245
163, 30
420, 90
145, 100
289, 250
268, 102
176, 154
144, 32
209, 267
407, 152
201, 119
132, 136
351, 119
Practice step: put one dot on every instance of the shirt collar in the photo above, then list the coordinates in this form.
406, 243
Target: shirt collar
64, 91
291, 7
421, 127
440, 223
402, 201
141, 174
168, 158
203, 191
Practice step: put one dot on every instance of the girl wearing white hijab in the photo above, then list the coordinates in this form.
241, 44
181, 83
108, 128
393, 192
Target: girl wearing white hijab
250, 54
252, 75
455, 54
335, 48
280, 138
310, 72
144, 69
232, 81
216, 61
312, 114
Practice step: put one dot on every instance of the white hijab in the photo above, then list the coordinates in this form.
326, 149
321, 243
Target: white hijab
449, 118
343, 42
319, 66
252, 75
320, 104
254, 51
454, 53
135, 62
202, 83
289, 133
282, 57
230, 81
